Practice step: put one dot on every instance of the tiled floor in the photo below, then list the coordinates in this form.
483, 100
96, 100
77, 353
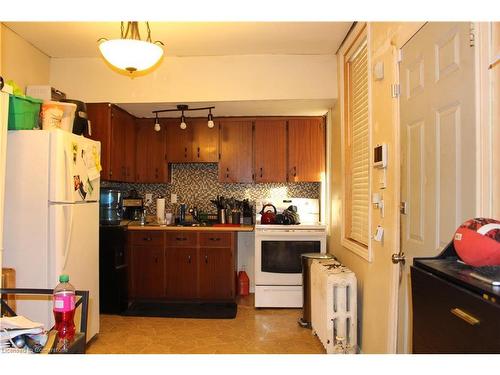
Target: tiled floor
257, 331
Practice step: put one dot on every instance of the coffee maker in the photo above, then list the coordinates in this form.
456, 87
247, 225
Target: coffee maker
133, 206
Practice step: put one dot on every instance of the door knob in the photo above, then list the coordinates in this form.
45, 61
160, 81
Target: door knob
398, 258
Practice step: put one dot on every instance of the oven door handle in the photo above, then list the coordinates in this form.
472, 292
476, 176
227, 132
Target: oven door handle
279, 290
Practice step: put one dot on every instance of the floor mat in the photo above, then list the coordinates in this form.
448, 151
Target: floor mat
183, 310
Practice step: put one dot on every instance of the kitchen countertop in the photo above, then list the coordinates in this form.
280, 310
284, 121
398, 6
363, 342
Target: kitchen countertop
134, 225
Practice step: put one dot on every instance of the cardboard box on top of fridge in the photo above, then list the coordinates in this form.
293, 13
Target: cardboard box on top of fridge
58, 115
44, 92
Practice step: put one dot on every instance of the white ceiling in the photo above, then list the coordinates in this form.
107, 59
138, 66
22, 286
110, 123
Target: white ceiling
237, 108
79, 39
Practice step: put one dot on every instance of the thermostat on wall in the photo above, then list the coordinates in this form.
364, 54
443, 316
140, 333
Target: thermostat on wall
380, 156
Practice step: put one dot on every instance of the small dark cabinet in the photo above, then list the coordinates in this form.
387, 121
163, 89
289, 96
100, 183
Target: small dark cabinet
452, 312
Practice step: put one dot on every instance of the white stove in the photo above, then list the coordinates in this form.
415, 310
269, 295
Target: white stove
278, 249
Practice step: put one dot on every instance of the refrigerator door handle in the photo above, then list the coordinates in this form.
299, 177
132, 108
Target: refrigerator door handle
68, 235
69, 180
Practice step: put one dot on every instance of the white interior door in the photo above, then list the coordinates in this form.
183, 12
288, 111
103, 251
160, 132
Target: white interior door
438, 148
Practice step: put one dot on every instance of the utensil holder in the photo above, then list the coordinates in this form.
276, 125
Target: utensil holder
236, 216
221, 215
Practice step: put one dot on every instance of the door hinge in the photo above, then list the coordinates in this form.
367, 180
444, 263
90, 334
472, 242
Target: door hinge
395, 90
472, 35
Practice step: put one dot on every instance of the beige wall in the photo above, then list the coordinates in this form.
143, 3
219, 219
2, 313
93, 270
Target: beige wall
202, 78
22, 62
376, 315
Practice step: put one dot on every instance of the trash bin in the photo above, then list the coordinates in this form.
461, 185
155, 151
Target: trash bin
307, 260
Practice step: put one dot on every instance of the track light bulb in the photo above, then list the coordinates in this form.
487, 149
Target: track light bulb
183, 121
157, 127
210, 119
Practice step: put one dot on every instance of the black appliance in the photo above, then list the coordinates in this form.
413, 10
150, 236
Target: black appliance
453, 311
81, 122
110, 206
113, 280
132, 206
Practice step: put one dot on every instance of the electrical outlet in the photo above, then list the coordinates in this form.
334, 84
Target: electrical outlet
149, 199
173, 198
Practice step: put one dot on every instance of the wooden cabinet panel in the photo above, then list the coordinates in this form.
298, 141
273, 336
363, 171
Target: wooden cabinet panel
147, 238
215, 239
205, 146
151, 165
129, 147
236, 159
306, 150
216, 273
181, 273
181, 239
118, 170
99, 115
147, 269
179, 141
270, 150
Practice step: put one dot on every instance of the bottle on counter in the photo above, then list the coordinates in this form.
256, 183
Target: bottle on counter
64, 309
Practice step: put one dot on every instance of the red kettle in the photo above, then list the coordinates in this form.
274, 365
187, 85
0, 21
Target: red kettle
268, 217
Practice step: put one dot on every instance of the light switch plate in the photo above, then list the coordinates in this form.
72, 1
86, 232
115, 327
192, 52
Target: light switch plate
149, 199
173, 198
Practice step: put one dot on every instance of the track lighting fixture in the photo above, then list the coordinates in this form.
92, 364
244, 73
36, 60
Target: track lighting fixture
182, 108
157, 124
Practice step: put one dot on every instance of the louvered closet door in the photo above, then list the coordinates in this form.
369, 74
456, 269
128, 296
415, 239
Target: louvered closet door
359, 144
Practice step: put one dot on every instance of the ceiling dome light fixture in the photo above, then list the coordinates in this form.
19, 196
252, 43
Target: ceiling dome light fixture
130, 53
157, 124
210, 119
185, 107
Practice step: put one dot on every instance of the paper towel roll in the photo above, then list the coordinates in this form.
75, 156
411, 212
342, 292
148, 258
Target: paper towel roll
160, 210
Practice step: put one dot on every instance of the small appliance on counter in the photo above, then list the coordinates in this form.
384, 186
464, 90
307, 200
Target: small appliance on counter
133, 206
110, 207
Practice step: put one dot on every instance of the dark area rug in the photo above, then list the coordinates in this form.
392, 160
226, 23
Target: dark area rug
183, 310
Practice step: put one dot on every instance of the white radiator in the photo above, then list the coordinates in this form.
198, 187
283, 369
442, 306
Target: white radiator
334, 306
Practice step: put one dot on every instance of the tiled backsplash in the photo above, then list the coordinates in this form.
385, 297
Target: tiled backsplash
197, 183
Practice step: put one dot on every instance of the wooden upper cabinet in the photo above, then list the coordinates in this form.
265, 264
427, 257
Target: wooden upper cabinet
179, 141
236, 159
151, 164
128, 126
270, 150
115, 129
306, 150
99, 115
205, 141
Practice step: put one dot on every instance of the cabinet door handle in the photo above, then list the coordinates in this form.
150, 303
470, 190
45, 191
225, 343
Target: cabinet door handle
181, 238
156, 260
465, 316
189, 259
206, 259
147, 239
214, 238
198, 152
294, 171
260, 171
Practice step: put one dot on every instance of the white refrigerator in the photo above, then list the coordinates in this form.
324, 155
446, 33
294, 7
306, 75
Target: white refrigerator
52, 217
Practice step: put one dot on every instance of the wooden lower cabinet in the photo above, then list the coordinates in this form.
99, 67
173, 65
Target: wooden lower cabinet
181, 274
147, 270
216, 274
181, 265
